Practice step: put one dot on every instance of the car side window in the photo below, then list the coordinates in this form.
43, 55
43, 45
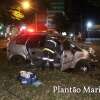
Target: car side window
32, 44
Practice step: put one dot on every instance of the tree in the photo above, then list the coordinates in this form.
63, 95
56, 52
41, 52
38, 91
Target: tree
16, 13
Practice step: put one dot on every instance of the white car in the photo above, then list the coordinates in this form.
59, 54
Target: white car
32, 49
75, 57
17, 47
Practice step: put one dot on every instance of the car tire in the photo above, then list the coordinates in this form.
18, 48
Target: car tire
18, 60
83, 66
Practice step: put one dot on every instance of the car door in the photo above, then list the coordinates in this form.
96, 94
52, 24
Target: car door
66, 59
35, 47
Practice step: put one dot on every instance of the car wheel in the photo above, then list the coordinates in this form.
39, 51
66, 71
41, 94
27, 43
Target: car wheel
18, 60
83, 66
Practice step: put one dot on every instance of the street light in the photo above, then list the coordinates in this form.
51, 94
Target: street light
89, 25
26, 5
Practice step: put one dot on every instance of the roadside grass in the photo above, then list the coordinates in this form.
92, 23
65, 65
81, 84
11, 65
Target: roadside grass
11, 89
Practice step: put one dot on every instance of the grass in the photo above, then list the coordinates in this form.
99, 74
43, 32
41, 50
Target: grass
11, 89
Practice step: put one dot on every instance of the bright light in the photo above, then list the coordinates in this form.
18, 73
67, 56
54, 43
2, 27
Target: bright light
30, 30
10, 33
1, 33
0, 27
26, 5
72, 45
89, 24
23, 27
71, 35
64, 33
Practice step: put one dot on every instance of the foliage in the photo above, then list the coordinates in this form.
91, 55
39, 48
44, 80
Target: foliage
16, 13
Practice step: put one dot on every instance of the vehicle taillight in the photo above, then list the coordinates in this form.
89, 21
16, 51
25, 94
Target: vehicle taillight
30, 30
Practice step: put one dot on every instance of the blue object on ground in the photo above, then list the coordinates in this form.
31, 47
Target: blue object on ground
29, 78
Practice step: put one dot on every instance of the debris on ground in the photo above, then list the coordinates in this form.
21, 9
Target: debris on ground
29, 78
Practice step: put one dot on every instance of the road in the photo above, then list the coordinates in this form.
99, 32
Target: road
3, 43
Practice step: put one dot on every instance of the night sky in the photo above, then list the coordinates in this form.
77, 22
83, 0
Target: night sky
84, 8
77, 8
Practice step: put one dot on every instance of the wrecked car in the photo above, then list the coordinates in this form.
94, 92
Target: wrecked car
49, 51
